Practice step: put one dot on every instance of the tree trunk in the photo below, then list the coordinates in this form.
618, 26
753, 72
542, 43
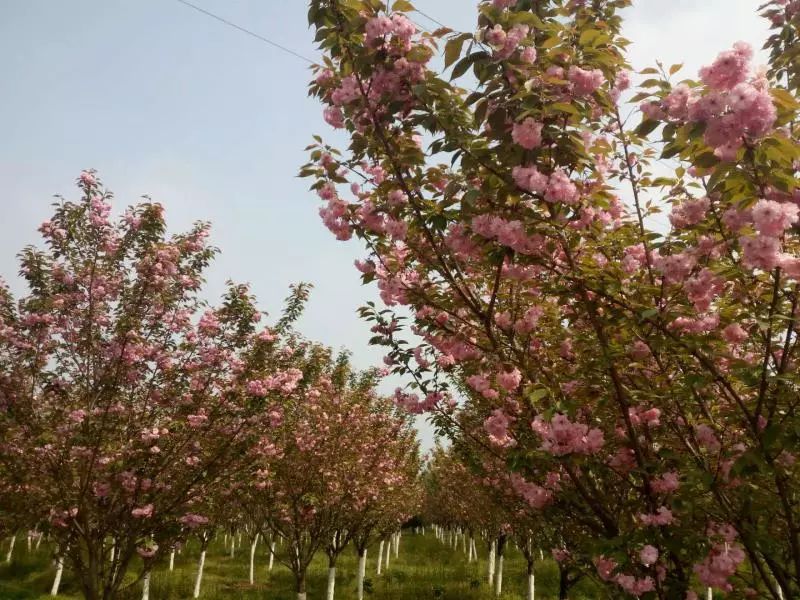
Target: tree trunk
710, 594
172, 559
531, 580
362, 570
397, 544
39, 540
146, 586
300, 585
563, 583
498, 578
271, 554
11, 548
331, 579
253, 560
59, 573
380, 557
388, 554
492, 554
199, 579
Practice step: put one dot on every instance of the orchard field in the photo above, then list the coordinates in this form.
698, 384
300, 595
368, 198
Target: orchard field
424, 569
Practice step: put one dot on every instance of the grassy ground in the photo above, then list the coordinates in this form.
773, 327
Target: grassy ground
425, 569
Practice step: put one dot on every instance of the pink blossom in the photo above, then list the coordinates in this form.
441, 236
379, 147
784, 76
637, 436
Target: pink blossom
706, 438
734, 334
720, 565
663, 516
536, 496
760, 251
560, 436
648, 555
605, 567
509, 380
729, 68
689, 212
527, 133
143, 512
496, 425
585, 82
668, 482
773, 218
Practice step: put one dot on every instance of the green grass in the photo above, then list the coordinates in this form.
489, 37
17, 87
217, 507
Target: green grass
426, 569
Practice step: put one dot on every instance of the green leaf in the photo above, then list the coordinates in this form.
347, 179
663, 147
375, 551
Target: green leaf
646, 127
564, 107
465, 63
452, 50
403, 6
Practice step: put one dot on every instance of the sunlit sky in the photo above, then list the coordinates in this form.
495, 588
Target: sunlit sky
212, 123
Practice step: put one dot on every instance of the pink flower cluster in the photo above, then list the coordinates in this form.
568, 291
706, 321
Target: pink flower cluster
663, 516
668, 482
411, 402
732, 108
496, 425
560, 436
689, 212
284, 382
506, 43
535, 495
193, 521
555, 188
509, 380
722, 561
527, 133
585, 82
508, 233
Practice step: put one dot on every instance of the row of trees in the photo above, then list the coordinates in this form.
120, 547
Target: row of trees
133, 415
634, 383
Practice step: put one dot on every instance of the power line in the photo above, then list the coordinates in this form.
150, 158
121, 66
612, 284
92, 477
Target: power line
430, 18
247, 31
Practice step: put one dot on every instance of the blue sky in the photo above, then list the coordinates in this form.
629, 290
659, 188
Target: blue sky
212, 123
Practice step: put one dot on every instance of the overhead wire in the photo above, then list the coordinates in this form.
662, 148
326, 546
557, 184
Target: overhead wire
258, 36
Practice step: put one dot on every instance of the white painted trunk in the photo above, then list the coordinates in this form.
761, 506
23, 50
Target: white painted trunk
59, 573
39, 540
780, 593
709, 594
11, 548
271, 554
112, 553
464, 543
199, 579
172, 560
301, 596
331, 583
146, 586
380, 557
397, 544
233, 547
253, 560
541, 554
362, 571
29, 543
498, 577
388, 554
492, 554
531, 586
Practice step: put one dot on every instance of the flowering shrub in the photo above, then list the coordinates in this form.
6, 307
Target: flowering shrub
656, 366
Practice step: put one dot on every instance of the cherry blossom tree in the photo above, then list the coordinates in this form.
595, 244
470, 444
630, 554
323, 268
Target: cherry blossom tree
639, 379
333, 465
124, 397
